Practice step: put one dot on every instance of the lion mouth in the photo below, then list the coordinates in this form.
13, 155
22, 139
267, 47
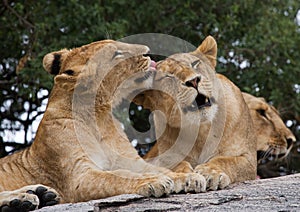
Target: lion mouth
149, 72
152, 66
200, 102
151, 63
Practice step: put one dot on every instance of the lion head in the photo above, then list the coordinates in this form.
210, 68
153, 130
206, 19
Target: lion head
93, 72
177, 82
273, 137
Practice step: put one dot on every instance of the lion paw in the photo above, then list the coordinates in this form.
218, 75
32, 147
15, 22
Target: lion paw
189, 182
215, 178
195, 183
28, 198
161, 186
46, 195
19, 202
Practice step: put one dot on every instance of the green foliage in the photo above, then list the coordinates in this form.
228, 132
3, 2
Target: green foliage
258, 42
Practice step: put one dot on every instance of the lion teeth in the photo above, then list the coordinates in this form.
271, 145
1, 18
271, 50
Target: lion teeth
206, 100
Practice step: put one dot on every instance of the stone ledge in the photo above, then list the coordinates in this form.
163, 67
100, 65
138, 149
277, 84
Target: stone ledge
276, 194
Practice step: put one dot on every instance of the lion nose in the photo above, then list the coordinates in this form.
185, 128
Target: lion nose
193, 83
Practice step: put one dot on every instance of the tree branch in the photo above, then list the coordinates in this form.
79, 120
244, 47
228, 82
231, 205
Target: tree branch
27, 23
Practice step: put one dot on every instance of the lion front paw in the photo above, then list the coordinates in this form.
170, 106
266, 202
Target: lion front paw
161, 186
28, 198
188, 182
215, 177
18, 202
47, 196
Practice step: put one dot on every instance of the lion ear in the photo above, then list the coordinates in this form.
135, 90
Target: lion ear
262, 99
209, 48
52, 61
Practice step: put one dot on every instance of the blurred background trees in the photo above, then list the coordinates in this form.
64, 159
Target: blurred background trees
258, 45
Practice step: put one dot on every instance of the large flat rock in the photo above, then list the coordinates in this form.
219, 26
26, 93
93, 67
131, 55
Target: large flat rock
276, 194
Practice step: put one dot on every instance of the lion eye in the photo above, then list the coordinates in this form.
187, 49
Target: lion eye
195, 64
117, 54
262, 112
69, 72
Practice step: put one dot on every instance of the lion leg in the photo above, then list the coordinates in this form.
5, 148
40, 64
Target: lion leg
224, 170
97, 184
183, 181
28, 198
215, 177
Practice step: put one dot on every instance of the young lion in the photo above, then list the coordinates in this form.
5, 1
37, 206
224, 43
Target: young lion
78, 150
206, 127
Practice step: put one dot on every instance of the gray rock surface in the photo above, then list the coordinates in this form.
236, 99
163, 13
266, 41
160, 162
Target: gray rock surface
276, 194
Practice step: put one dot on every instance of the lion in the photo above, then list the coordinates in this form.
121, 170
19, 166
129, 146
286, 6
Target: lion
78, 153
201, 120
273, 137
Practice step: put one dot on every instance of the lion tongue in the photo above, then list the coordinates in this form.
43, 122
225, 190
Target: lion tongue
153, 65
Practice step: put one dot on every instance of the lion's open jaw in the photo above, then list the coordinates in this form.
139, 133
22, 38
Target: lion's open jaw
200, 102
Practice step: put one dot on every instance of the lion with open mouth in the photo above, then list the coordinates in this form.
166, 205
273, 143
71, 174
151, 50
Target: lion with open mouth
201, 120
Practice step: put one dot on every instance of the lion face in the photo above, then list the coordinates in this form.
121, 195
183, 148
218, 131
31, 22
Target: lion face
95, 69
273, 137
185, 81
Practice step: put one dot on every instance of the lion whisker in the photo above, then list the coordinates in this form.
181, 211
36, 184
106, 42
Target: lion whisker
267, 153
286, 153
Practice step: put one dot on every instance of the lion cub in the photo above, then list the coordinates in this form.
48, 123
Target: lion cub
78, 150
201, 119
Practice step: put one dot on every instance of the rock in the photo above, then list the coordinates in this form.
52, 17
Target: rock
275, 194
